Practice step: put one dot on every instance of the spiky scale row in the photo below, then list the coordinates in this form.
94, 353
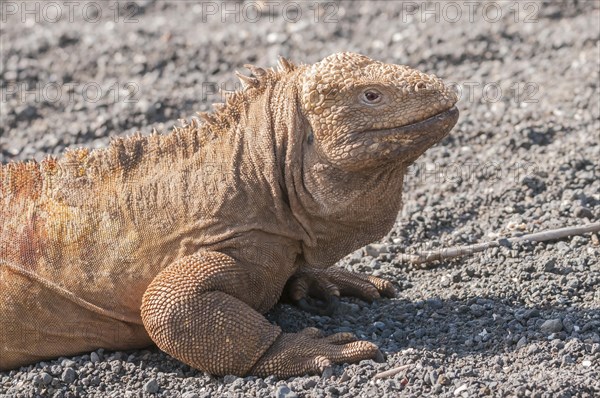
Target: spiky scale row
247, 81
226, 114
285, 65
125, 153
255, 70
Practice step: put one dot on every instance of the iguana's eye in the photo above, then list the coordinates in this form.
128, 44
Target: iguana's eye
371, 96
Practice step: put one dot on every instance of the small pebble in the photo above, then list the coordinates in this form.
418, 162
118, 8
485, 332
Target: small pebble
460, 389
375, 249
55, 370
68, 375
446, 281
283, 391
228, 379
477, 310
583, 212
443, 380
551, 326
45, 378
151, 386
379, 325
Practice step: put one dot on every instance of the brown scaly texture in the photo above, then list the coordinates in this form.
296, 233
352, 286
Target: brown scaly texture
185, 239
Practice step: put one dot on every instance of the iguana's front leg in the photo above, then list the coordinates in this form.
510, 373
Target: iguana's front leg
202, 310
318, 290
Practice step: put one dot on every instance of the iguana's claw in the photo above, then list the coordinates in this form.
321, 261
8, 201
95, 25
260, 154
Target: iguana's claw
318, 290
379, 358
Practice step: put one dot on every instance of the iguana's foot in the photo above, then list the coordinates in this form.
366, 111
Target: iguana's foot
191, 311
309, 352
318, 290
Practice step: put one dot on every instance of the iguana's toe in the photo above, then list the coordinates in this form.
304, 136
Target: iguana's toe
336, 338
367, 287
385, 288
312, 332
340, 338
318, 290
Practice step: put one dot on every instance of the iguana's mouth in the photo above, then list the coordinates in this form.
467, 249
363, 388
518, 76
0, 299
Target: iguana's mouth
401, 144
435, 126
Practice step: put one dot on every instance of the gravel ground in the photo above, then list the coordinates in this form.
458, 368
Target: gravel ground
520, 320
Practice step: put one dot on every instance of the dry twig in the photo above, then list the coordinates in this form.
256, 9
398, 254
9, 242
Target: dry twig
391, 372
457, 251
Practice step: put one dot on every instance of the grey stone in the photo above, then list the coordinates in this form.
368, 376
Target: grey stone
68, 375
355, 257
45, 378
477, 310
379, 325
116, 366
550, 265
522, 342
68, 363
568, 325
551, 326
563, 247
445, 281
327, 373
533, 349
283, 391
229, 379
94, 358
583, 212
151, 386
375, 249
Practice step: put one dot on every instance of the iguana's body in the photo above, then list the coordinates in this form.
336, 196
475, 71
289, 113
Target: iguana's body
202, 228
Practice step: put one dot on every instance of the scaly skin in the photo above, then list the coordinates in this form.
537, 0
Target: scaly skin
186, 239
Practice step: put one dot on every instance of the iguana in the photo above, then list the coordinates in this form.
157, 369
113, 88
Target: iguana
185, 239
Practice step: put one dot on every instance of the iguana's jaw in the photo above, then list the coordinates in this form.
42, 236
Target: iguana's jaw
405, 143
433, 128
368, 149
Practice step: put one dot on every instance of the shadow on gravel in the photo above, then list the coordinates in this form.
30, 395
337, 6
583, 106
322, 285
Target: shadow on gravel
481, 325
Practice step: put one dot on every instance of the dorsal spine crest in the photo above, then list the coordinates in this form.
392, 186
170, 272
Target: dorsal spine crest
124, 154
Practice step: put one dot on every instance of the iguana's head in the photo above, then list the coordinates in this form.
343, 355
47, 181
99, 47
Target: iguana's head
364, 113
